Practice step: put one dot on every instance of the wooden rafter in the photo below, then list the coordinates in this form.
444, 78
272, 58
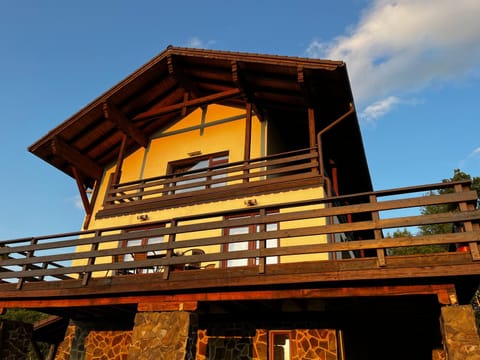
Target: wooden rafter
120, 120
303, 83
83, 191
247, 93
179, 75
121, 156
76, 159
147, 115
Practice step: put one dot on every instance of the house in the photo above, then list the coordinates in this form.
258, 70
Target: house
230, 214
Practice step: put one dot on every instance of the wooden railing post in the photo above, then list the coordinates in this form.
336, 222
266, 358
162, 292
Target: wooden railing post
25, 267
468, 226
262, 261
109, 191
91, 260
377, 233
169, 253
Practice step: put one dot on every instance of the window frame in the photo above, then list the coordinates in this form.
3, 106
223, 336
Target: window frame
252, 244
178, 167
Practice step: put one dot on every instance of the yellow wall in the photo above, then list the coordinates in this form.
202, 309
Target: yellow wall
184, 137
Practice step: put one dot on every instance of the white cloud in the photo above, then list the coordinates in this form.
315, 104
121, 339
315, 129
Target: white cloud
77, 200
401, 46
379, 108
196, 42
474, 154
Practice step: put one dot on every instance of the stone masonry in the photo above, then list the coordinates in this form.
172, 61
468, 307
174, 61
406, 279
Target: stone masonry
305, 344
461, 340
160, 336
14, 340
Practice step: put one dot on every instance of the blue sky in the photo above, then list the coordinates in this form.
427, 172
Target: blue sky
414, 68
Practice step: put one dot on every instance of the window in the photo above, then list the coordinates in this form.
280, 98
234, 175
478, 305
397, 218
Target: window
193, 174
279, 345
248, 245
142, 240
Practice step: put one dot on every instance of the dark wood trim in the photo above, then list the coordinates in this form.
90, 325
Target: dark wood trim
214, 194
76, 159
151, 114
248, 132
311, 127
239, 82
172, 302
119, 164
120, 120
82, 190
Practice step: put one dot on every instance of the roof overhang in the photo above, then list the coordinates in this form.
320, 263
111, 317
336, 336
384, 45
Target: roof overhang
179, 80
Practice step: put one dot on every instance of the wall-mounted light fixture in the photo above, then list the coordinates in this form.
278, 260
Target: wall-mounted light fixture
194, 153
142, 217
250, 202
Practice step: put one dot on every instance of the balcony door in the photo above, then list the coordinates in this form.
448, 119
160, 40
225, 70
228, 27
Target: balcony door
248, 245
192, 174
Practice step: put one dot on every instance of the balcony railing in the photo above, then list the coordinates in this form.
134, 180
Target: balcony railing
217, 182
333, 239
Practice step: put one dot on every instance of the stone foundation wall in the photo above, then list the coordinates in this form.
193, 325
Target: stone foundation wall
304, 344
160, 336
111, 345
82, 342
314, 344
14, 340
460, 335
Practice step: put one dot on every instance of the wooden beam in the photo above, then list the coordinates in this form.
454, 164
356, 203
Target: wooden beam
167, 306
302, 82
119, 119
121, 155
312, 135
78, 160
82, 191
147, 115
247, 93
248, 133
190, 300
179, 75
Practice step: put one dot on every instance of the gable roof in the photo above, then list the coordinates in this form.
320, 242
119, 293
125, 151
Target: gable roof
153, 97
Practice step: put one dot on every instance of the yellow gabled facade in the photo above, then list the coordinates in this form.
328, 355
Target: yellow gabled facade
212, 129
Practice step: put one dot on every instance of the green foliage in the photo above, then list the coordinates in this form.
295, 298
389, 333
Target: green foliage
29, 317
24, 315
458, 175
410, 250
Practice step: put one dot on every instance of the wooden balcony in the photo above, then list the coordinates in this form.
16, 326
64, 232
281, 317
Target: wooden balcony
277, 172
346, 250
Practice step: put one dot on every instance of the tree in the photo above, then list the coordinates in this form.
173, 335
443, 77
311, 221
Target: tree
458, 175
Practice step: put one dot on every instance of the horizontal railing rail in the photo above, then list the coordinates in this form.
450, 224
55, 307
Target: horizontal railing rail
289, 164
266, 236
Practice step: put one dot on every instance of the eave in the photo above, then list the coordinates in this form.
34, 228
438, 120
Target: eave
177, 80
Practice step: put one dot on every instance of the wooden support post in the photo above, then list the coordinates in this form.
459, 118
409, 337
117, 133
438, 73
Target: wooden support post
262, 261
312, 136
378, 234
311, 127
169, 254
25, 267
185, 99
468, 226
121, 155
248, 140
83, 192
91, 260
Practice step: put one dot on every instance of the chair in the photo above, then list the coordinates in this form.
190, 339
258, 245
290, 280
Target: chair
195, 265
